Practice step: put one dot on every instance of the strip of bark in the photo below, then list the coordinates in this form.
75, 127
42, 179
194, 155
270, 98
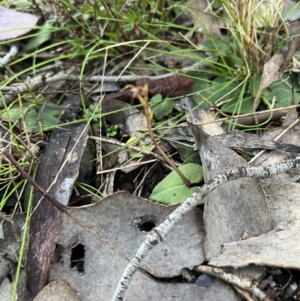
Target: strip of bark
57, 173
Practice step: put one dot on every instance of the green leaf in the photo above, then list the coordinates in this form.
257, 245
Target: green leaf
31, 117
235, 106
186, 151
218, 45
232, 61
220, 87
43, 35
171, 190
47, 120
47, 123
281, 94
202, 86
254, 84
214, 90
160, 107
14, 114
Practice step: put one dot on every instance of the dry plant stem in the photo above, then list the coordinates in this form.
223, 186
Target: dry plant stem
213, 106
159, 233
138, 149
244, 294
95, 78
12, 160
232, 279
167, 159
138, 164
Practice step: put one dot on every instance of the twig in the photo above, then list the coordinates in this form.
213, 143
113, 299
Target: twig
159, 233
38, 81
243, 284
10, 55
94, 78
183, 125
54, 202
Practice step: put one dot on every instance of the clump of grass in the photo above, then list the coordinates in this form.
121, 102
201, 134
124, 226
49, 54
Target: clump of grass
80, 34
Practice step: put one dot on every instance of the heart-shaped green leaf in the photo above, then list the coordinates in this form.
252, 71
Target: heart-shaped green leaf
281, 95
234, 106
172, 190
35, 120
160, 107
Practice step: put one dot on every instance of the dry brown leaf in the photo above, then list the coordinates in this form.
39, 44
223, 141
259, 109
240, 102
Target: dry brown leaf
202, 18
171, 86
238, 139
274, 68
56, 173
291, 136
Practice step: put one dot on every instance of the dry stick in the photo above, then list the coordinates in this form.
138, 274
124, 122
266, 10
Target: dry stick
40, 80
128, 146
54, 202
232, 279
159, 233
10, 55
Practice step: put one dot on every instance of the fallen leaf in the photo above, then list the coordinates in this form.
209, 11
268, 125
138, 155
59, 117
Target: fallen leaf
57, 290
238, 139
276, 248
43, 35
119, 220
290, 137
274, 68
235, 207
14, 24
203, 19
56, 173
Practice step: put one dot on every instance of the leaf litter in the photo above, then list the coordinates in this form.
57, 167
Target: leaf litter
247, 208
277, 247
120, 219
227, 235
